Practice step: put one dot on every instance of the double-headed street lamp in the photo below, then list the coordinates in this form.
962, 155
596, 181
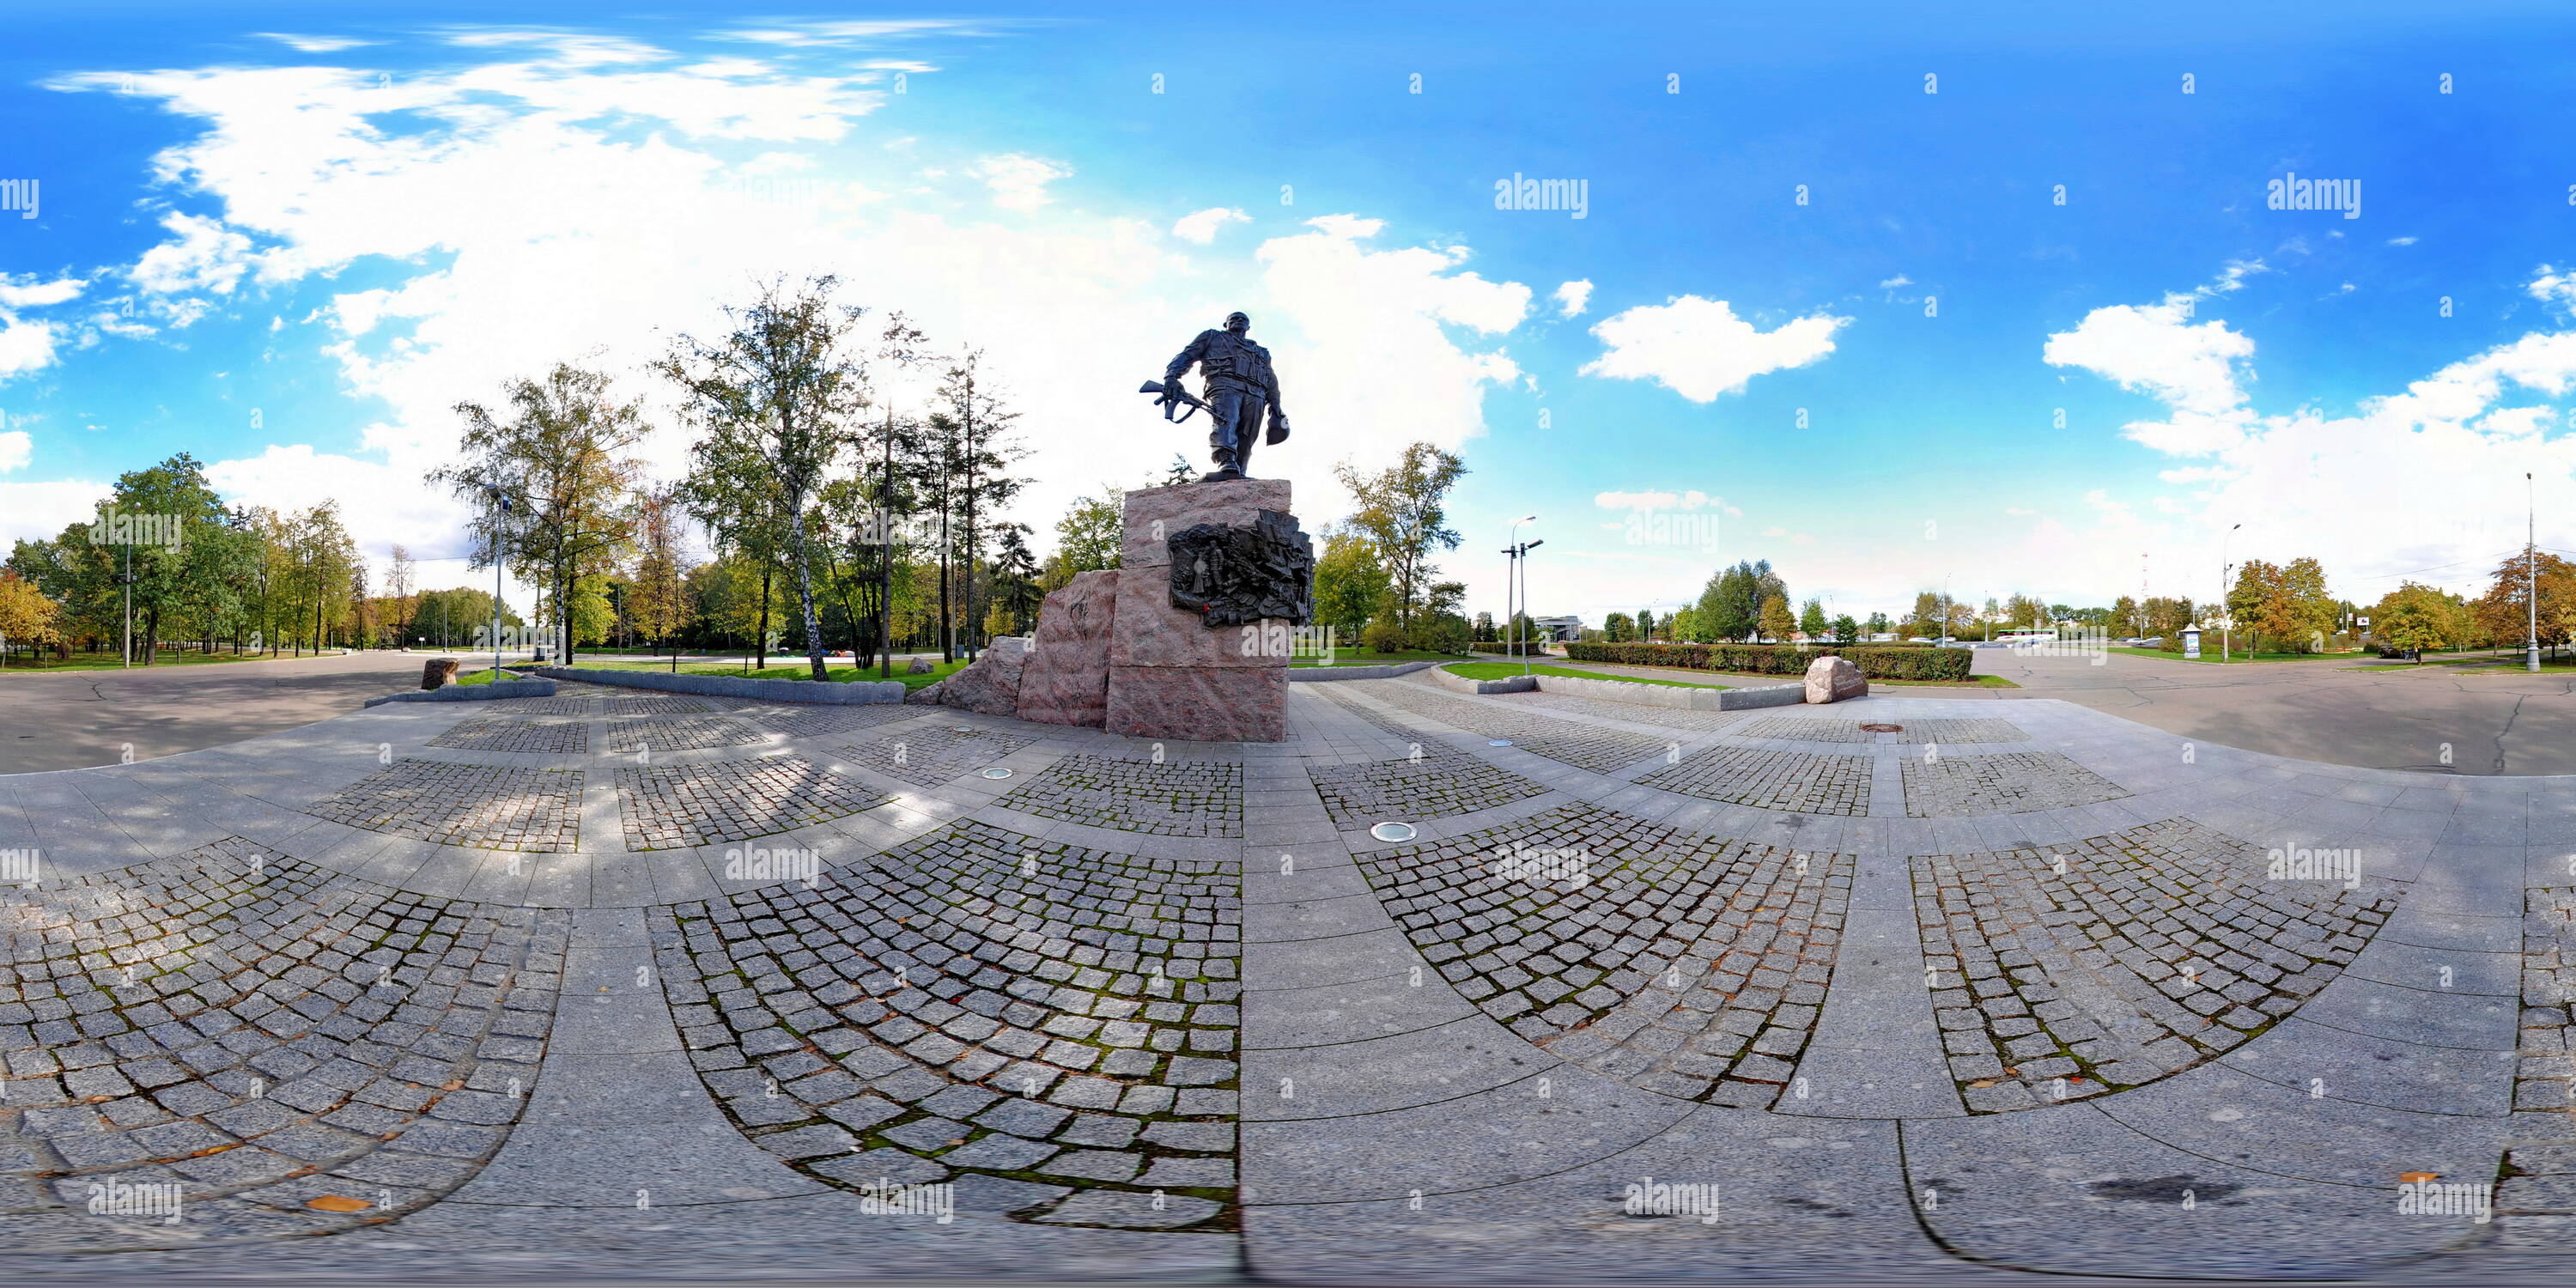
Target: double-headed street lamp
2227, 614
1515, 583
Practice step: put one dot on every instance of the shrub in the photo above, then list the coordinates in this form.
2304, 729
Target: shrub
1382, 635
1876, 662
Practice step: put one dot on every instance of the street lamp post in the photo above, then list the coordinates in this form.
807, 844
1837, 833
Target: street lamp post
1511, 583
1525, 549
2227, 615
2531, 579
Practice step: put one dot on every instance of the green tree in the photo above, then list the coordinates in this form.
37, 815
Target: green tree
1811, 620
1351, 585
776, 400
2416, 617
1646, 624
1087, 537
658, 602
1618, 628
1400, 511
1879, 625
1776, 623
26, 615
552, 478
1845, 629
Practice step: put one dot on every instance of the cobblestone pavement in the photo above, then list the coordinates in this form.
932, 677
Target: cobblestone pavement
1580, 745
805, 722
549, 737
1799, 781
928, 756
668, 806
1175, 798
1911, 731
682, 733
1226, 1036
2059, 974
1683, 964
1434, 782
978, 1004
2546, 1079
1630, 712
2012, 782
232, 1044
488, 807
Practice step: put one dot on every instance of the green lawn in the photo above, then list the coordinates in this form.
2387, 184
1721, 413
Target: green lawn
1359, 657
797, 669
1972, 682
1505, 670
2209, 653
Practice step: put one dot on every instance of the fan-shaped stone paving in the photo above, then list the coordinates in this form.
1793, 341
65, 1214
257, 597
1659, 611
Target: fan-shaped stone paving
2118, 960
1799, 781
1166, 798
488, 807
622, 983
1425, 783
232, 1044
1806, 729
667, 806
981, 1002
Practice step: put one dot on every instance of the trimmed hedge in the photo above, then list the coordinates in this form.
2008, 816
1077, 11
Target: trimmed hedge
1876, 661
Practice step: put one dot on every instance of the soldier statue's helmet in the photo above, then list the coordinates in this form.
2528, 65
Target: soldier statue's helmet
1232, 318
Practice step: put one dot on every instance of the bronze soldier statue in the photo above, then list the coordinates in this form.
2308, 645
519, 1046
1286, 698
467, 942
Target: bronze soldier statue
1240, 387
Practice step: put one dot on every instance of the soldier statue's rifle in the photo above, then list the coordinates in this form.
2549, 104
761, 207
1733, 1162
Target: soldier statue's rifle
1173, 397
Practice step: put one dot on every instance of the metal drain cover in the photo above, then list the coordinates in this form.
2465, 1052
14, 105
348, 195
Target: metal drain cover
1393, 831
1882, 728
997, 773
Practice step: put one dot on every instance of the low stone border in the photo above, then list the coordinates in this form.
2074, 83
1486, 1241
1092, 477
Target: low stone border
1388, 671
472, 692
850, 693
1455, 682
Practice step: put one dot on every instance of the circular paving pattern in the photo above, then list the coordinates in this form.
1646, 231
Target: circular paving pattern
1937, 995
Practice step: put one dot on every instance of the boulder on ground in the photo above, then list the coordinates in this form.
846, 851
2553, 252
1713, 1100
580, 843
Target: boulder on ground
1067, 678
991, 686
1832, 679
918, 666
438, 673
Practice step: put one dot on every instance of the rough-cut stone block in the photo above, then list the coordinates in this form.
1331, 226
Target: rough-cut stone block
1066, 680
992, 685
919, 666
1151, 632
1832, 679
438, 672
1205, 704
1234, 501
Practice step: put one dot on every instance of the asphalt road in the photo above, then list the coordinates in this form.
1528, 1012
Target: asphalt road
72, 719
2435, 718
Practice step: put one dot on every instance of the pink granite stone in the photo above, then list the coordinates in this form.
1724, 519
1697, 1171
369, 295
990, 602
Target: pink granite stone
1187, 505
1066, 680
1199, 704
1151, 632
992, 685
1834, 679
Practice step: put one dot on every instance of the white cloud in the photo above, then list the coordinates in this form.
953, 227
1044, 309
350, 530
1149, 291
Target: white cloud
206, 257
2426, 478
1571, 296
1019, 181
1691, 500
313, 44
36, 293
16, 449
1699, 349
35, 511
24, 345
553, 175
2555, 287
1896, 281
2158, 350
1201, 226
2401, 241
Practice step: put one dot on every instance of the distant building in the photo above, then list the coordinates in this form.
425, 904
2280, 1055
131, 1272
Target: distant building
1559, 630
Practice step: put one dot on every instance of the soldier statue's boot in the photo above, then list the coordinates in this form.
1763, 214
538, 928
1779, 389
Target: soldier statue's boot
1226, 468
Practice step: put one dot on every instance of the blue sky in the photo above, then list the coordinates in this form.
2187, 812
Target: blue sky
344, 221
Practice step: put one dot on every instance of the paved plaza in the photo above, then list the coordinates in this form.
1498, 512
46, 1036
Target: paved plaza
652, 985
